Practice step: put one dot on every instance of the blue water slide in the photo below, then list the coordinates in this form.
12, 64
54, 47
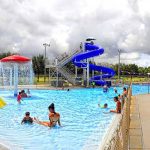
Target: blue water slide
93, 51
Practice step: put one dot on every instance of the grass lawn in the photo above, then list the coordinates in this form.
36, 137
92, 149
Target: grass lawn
124, 78
134, 79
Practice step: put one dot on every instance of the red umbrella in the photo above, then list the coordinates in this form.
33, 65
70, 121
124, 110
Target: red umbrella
15, 58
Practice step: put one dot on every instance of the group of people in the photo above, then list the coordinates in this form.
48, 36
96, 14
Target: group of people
54, 118
23, 94
118, 100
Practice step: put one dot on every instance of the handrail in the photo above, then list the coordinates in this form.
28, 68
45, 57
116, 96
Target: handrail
67, 75
70, 76
65, 60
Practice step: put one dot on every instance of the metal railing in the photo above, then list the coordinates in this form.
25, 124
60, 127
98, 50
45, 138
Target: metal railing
119, 137
62, 60
67, 74
67, 57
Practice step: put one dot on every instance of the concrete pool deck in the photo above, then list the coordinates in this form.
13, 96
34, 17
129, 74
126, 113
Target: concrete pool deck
2, 147
139, 132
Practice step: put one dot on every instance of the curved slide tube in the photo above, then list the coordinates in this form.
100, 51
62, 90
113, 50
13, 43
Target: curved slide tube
92, 51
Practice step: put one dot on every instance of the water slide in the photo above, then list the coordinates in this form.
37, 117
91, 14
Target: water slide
93, 51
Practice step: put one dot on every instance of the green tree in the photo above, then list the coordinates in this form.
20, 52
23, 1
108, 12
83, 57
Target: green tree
3, 55
38, 65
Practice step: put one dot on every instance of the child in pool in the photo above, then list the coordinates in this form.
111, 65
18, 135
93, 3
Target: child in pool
19, 96
27, 118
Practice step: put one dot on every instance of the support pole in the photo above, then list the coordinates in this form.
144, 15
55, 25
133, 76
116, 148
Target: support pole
84, 70
31, 74
3, 76
45, 45
92, 70
119, 51
56, 61
88, 72
76, 71
49, 74
45, 64
10, 78
15, 79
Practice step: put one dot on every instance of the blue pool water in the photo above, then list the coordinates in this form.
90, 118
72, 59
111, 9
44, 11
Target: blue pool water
84, 124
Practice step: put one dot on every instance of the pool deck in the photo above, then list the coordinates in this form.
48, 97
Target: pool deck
3, 147
139, 132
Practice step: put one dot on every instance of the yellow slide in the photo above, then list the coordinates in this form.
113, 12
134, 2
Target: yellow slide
2, 103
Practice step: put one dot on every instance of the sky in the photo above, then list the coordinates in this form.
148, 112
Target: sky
116, 24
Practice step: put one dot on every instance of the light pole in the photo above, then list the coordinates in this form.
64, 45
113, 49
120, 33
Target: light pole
45, 46
119, 51
148, 81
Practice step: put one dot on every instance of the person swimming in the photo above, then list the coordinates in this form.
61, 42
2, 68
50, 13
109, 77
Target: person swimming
115, 90
93, 84
104, 106
28, 93
105, 88
23, 94
54, 118
27, 118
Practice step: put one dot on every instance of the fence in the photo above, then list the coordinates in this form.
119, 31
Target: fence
118, 140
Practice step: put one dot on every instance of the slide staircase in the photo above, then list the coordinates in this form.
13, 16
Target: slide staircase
62, 61
67, 74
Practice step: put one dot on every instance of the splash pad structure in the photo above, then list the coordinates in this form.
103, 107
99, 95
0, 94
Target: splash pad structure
15, 70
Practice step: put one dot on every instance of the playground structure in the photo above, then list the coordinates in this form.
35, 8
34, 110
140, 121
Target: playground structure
15, 70
81, 59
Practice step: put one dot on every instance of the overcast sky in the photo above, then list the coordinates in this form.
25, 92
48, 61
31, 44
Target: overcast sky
125, 24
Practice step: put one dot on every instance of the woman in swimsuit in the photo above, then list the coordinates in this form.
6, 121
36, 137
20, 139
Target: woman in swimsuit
118, 106
54, 118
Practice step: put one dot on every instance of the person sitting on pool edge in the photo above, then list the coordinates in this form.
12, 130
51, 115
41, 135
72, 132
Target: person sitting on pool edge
124, 92
118, 106
54, 118
104, 106
27, 118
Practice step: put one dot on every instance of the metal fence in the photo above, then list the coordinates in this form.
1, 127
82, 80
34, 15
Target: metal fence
119, 137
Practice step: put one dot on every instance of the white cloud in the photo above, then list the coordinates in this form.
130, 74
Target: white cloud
26, 24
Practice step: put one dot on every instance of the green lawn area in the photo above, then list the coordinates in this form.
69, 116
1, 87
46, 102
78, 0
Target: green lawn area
124, 78
135, 79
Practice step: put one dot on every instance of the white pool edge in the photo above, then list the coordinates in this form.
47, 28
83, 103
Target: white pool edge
110, 131
3, 146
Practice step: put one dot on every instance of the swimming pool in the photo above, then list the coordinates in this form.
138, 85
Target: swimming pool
84, 124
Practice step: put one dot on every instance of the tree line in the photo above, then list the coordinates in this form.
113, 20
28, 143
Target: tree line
125, 69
